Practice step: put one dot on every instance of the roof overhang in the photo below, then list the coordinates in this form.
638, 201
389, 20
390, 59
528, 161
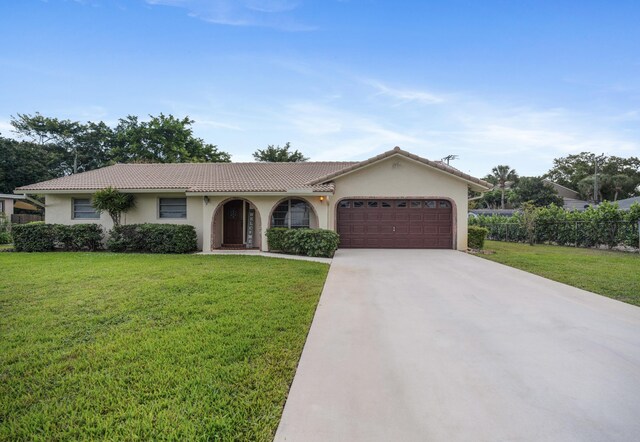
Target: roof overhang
287, 193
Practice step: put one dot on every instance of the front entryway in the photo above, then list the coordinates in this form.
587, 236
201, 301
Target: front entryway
233, 222
395, 223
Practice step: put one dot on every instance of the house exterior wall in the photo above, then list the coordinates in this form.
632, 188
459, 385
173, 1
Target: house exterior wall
398, 176
59, 210
6, 206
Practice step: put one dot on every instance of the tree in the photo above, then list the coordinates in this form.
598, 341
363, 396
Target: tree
535, 191
572, 170
23, 162
502, 176
162, 139
82, 153
277, 154
113, 202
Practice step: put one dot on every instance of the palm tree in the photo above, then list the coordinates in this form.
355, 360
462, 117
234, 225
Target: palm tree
503, 176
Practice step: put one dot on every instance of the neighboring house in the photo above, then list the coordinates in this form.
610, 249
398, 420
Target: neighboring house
9, 202
490, 212
570, 197
393, 200
627, 203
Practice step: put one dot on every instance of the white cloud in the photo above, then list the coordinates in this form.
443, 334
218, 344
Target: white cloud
406, 95
276, 14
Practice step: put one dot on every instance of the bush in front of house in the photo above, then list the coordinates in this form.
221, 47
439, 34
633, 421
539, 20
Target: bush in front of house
153, 238
41, 237
5, 234
79, 237
476, 237
34, 237
309, 242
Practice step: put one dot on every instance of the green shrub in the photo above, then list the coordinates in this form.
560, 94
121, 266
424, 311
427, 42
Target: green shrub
79, 237
309, 242
41, 237
276, 238
153, 238
476, 237
605, 225
34, 237
5, 238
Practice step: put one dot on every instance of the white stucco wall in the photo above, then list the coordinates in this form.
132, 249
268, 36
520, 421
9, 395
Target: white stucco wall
398, 176
7, 204
59, 210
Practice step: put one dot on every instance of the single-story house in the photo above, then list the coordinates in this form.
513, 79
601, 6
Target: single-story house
626, 204
393, 200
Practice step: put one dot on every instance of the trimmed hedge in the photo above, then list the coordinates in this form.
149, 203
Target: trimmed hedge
604, 225
41, 237
153, 238
476, 237
309, 242
79, 237
34, 237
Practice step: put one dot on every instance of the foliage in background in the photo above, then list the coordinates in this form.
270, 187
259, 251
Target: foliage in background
41, 237
596, 226
535, 191
502, 177
23, 162
153, 238
114, 202
162, 139
52, 147
277, 154
618, 177
309, 242
476, 237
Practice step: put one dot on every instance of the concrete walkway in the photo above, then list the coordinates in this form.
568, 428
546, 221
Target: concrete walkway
267, 255
426, 345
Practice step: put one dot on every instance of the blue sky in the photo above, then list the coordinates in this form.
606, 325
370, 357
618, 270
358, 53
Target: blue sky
495, 82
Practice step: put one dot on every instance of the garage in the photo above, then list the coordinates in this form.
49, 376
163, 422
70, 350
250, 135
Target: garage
395, 223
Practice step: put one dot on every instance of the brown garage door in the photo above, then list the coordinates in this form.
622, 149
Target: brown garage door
410, 224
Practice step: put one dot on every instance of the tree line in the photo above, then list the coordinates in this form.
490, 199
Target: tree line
617, 178
48, 147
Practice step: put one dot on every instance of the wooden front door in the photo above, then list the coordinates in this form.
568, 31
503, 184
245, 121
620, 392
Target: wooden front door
233, 222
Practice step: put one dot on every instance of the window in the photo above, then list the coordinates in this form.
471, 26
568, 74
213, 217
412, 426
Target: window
401, 204
345, 204
1, 206
173, 208
82, 209
416, 204
293, 214
445, 204
385, 204
372, 204
430, 204
358, 204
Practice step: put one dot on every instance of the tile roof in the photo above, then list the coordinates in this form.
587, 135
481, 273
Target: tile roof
199, 177
227, 177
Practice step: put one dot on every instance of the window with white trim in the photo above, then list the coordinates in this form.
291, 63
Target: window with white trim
82, 209
293, 214
173, 208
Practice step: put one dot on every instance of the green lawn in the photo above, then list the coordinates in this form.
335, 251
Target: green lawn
612, 274
150, 347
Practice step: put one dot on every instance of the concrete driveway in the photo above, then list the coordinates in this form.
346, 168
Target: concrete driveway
428, 345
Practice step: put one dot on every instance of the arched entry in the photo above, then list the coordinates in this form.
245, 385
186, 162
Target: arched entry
236, 224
